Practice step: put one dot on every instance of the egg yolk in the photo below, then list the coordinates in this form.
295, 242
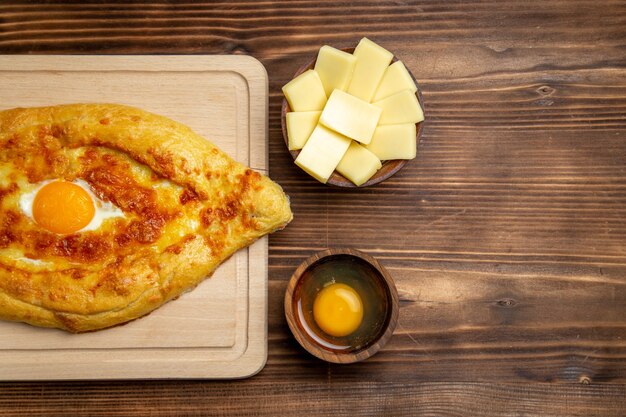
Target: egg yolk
338, 310
63, 207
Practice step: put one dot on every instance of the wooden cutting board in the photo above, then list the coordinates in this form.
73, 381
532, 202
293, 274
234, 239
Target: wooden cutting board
218, 330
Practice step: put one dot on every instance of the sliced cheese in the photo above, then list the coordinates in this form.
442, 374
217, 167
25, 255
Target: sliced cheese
322, 152
401, 107
394, 142
358, 164
335, 68
371, 62
350, 116
305, 92
396, 79
300, 125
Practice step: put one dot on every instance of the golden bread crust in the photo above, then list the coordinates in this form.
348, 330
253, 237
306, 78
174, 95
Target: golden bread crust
188, 207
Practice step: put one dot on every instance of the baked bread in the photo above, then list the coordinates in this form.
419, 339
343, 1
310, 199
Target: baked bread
173, 207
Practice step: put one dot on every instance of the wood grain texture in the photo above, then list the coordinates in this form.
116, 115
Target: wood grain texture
332, 398
506, 236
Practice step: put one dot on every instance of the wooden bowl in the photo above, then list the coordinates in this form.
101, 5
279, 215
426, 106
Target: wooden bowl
381, 305
389, 167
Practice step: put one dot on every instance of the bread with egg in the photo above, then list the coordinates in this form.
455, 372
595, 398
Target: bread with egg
107, 212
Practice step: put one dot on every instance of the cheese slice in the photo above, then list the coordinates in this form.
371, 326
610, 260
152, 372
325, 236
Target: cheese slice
300, 125
350, 116
358, 164
335, 68
305, 92
371, 62
396, 79
394, 142
322, 152
401, 107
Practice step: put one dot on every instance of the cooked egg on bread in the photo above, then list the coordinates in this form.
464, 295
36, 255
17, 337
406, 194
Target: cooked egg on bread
107, 212
66, 207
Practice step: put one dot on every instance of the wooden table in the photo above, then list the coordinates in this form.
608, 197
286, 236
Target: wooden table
506, 236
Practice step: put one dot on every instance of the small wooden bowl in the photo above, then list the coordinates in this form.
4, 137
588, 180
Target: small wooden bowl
389, 167
335, 260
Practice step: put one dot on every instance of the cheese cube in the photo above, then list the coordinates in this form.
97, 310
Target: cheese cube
371, 62
350, 116
300, 125
322, 152
401, 107
394, 142
358, 164
396, 79
334, 68
305, 92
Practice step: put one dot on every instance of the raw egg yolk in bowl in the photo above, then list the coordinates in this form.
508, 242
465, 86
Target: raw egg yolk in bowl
338, 310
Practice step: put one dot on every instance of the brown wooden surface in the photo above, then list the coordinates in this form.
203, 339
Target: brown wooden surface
506, 236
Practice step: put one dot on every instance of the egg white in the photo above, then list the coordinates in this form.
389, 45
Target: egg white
104, 209
32, 262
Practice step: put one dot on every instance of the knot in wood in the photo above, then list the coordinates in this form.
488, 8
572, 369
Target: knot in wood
239, 50
506, 303
545, 90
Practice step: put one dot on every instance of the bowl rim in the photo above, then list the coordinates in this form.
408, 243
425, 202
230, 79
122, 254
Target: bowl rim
315, 350
389, 167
